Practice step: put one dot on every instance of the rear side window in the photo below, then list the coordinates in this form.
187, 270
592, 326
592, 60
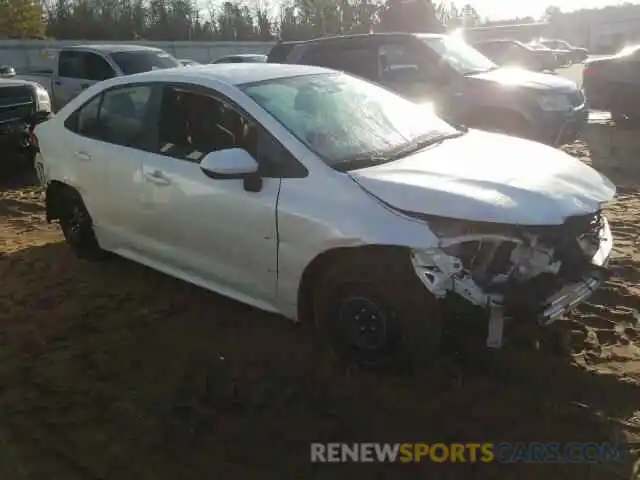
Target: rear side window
85, 120
143, 61
122, 116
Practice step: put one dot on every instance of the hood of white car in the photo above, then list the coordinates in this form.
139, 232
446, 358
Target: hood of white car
489, 177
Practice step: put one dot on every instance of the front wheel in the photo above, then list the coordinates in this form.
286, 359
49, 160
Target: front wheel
373, 311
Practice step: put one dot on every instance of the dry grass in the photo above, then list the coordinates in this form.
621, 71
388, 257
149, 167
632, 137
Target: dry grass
115, 371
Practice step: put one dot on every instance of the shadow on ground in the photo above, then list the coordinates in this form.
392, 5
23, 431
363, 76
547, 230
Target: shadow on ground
114, 371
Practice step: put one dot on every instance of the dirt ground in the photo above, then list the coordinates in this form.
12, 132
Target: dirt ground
114, 371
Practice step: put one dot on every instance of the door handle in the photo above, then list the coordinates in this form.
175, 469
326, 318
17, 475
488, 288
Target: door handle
157, 177
57, 82
84, 156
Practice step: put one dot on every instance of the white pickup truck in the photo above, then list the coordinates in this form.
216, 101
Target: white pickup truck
79, 67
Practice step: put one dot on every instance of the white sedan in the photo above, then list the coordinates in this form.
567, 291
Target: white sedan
323, 197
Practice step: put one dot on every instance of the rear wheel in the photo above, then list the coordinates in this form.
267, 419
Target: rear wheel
77, 226
374, 312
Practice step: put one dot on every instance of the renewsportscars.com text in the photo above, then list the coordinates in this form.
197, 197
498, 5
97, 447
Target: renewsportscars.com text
534, 452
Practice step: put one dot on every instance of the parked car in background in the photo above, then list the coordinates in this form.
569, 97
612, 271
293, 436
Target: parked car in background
79, 67
465, 86
575, 54
555, 58
328, 199
185, 62
242, 58
280, 51
612, 83
7, 71
506, 52
20, 100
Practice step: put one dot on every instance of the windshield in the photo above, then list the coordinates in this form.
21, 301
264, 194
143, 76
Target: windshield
340, 117
459, 55
143, 61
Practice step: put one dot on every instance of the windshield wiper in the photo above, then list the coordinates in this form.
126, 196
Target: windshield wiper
482, 70
362, 161
372, 159
423, 142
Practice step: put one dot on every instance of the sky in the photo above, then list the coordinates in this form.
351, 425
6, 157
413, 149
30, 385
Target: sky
502, 9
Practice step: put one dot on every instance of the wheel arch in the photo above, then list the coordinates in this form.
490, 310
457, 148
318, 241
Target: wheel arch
55, 189
318, 265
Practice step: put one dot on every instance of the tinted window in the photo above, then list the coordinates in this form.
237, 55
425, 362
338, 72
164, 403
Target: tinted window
359, 61
96, 68
405, 62
459, 55
70, 64
143, 61
279, 53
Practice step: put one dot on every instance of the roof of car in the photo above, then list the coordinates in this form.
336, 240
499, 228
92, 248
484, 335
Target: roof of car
497, 40
113, 47
244, 55
231, 73
335, 38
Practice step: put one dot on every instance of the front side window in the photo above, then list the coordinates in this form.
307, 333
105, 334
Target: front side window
96, 68
70, 64
193, 124
143, 61
459, 55
340, 117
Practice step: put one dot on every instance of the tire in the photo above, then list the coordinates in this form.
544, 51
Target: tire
374, 312
77, 226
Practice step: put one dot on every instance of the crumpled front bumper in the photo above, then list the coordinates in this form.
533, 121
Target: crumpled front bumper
570, 296
575, 293
541, 299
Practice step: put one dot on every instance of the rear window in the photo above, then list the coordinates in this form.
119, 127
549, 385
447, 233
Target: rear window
143, 61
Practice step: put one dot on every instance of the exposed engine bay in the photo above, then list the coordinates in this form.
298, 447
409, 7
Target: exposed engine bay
535, 272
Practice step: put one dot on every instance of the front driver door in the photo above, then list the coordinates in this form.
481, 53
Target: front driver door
213, 230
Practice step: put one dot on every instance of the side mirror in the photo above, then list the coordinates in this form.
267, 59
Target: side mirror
231, 163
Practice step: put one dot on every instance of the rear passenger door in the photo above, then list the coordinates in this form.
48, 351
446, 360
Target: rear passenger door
114, 132
78, 70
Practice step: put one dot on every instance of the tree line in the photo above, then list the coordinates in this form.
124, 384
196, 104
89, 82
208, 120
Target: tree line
180, 20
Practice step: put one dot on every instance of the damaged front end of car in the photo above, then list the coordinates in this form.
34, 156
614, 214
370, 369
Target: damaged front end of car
532, 274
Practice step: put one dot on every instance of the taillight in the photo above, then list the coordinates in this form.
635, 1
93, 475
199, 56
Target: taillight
33, 140
589, 72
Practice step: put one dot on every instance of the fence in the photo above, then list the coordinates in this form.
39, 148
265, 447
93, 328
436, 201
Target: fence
40, 54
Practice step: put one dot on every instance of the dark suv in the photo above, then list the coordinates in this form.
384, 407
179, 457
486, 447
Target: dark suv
465, 86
